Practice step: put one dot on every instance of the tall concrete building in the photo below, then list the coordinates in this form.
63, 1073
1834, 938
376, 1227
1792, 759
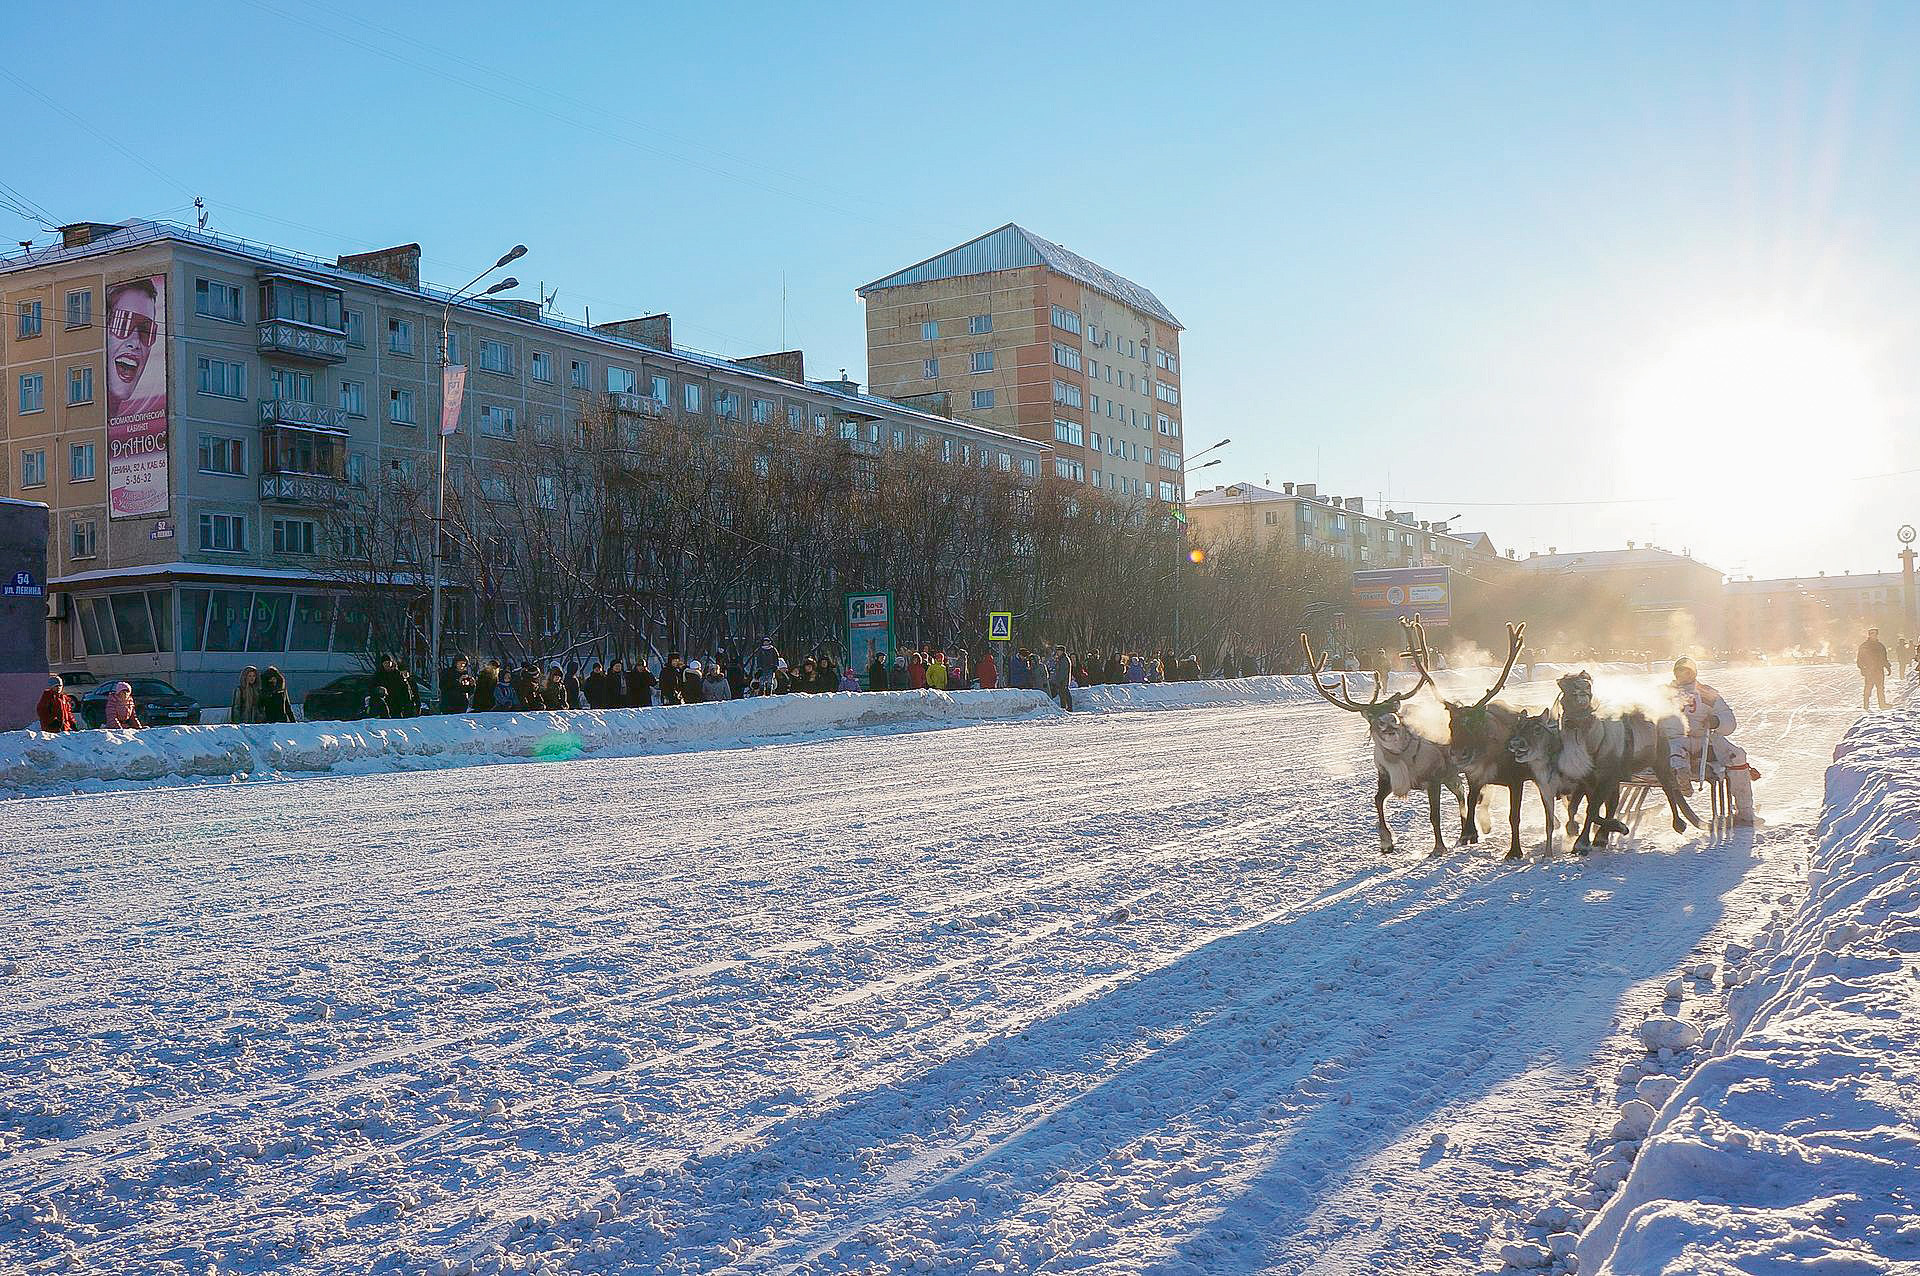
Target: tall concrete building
1334, 526
1022, 335
193, 408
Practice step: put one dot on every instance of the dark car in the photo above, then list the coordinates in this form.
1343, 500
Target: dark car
342, 700
159, 703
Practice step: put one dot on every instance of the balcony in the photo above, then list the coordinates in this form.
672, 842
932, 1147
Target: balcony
293, 340
634, 404
311, 416
302, 489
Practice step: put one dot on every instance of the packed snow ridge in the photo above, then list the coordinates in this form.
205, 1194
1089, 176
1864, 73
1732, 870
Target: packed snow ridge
1793, 1143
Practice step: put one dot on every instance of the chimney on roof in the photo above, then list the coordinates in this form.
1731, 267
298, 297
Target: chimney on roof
788, 365
515, 306
400, 264
843, 385
1553, 549
1629, 544
1311, 491
1287, 488
648, 330
1357, 504
80, 234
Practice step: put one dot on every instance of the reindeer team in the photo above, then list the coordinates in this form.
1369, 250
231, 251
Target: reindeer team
1580, 755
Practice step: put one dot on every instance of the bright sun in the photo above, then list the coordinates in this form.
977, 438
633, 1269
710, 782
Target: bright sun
1770, 405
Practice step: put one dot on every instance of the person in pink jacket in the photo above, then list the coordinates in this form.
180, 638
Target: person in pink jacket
121, 714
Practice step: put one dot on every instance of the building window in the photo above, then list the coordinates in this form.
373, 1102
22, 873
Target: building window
796, 415
929, 369
216, 300
929, 330
726, 405
294, 535
1167, 492
80, 308
980, 361
1066, 356
495, 489
1069, 469
355, 323
577, 374
33, 468
850, 431
1093, 334
400, 336
1029, 467
79, 385
357, 468
353, 398
83, 538
221, 379
690, 396
1067, 393
29, 319
619, 380
540, 366
291, 386
982, 400
301, 303
1093, 439
1066, 320
1066, 431
546, 493
223, 533
497, 422
496, 356
221, 455
979, 325
762, 412
80, 462
400, 407
1166, 393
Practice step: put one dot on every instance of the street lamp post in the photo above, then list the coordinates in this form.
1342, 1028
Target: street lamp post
446, 423
1185, 552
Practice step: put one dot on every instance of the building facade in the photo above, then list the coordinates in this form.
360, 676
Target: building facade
1654, 600
1024, 336
1811, 614
193, 407
1334, 526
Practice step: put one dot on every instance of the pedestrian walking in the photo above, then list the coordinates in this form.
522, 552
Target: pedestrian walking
1874, 668
1061, 678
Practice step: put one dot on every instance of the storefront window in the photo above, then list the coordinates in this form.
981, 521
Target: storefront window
193, 618
312, 617
268, 630
227, 620
354, 632
136, 630
99, 637
160, 603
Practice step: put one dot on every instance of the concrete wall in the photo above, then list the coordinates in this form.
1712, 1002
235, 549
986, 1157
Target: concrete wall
23, 619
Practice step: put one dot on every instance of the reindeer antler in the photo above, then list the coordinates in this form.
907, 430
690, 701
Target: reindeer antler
1514, 642
1343, 699
1417, 652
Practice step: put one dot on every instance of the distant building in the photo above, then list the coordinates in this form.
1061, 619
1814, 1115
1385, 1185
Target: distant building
1814, 613
1335, 526
1024, 336
1654, 600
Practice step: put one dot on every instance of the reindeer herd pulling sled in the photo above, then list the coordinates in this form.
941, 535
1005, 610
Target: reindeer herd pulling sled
1604, 762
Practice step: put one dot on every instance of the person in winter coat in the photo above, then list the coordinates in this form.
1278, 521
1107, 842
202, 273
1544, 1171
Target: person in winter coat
1060, 679
457, 685
486, 687
576, 698
690, 680
1136, 669
916, 671
275, 706
1874, 667
877, 671
782, 683
766, 658
246, 697
849, 680
807, 680
553, 692
986, 671
714, 685
640, 686
396, 689
959, 675
593, 687
736, 675
1017, 668
936, 671
121, 714
673, 680
55, 709
526, 685
506, 698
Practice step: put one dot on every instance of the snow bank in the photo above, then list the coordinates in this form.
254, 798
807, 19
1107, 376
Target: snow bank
1269, 689
31, 762
1794, 1143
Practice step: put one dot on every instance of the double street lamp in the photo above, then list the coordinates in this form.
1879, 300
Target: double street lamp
1186, 554
452, 389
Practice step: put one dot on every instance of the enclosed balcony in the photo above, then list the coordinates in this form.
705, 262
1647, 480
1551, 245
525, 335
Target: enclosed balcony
301, 319
632, 403
303, 467
294, 412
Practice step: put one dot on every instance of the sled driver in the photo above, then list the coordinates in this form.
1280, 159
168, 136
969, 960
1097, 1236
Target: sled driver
1708, 722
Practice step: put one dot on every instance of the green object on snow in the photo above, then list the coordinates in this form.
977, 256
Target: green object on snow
561, 746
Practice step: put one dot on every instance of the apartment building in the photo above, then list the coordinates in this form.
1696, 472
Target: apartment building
1657, 600
1024, 336
1335, 526
192, 406
1807, 613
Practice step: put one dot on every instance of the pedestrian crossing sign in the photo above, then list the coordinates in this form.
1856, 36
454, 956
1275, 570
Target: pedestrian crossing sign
999, 626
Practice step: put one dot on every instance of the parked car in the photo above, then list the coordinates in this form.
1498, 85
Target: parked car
77, 681
158, 702
342, 700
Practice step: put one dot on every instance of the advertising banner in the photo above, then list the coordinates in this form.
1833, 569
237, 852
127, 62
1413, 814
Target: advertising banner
1393, 592
453, 392
137, 434
869, 629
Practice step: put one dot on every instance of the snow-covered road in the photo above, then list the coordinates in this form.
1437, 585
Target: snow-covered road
1120, 992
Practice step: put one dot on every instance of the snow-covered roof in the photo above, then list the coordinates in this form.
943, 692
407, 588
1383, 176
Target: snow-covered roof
1818, 584
1012, 247
1600, 560
1235, 493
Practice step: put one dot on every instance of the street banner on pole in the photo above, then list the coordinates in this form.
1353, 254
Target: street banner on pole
453, 391
999, 626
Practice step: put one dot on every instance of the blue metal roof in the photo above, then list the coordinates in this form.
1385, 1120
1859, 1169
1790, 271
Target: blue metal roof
1012, 247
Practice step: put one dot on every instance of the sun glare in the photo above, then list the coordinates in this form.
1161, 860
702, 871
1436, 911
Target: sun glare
1772, 404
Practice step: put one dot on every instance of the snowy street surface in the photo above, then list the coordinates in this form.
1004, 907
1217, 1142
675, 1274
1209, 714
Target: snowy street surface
1110, 992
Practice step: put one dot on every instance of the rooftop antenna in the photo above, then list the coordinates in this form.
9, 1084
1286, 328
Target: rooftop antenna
783, 310
547, 298
26, 245
200, 212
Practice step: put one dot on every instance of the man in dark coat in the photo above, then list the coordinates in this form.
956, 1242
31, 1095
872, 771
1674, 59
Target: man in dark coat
639, 685
456, 687
395, 688
1874, 667
877, 671
484, 684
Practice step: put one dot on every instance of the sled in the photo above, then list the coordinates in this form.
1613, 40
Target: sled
1635, 791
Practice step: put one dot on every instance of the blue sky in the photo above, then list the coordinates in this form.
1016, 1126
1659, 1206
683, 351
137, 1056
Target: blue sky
1437, 252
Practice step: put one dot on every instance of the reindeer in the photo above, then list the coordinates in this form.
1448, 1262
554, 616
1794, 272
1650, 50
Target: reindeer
1402, 760
1618, 747
1477, 736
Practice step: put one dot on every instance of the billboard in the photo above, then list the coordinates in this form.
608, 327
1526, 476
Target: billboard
869, 629
137, 397
1392, 592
